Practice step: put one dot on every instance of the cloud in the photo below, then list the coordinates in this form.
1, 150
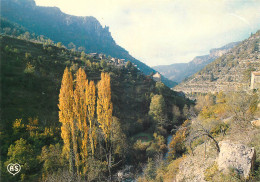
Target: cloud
169, 31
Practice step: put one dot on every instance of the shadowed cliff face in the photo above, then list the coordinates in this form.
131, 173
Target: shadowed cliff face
84, 32
58, 26
179, 71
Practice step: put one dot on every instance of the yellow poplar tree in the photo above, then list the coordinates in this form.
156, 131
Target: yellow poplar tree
80, 112
104, 115
104, 105
66, 115
91, 103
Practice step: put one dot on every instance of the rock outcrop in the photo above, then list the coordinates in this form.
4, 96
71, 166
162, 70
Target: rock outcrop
256, 123
237, 157
193, 167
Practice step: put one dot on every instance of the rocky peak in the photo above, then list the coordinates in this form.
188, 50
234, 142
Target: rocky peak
217, 52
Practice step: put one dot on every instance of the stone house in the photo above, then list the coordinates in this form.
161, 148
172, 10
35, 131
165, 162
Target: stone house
97, 56
101, 56
121, 61
157, 77
93, 54
113, 59
118, 62
255, 80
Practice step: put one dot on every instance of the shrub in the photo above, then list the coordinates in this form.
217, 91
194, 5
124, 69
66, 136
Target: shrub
150, 170
177, 145
30, 69
219, 128
172, 169
210, 172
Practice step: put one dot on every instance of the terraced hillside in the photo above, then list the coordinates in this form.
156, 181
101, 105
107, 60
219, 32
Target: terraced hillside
180, 71
230, 72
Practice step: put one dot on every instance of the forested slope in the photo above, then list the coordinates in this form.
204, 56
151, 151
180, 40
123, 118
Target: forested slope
31, 76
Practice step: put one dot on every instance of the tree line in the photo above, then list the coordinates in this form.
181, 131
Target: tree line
82, 115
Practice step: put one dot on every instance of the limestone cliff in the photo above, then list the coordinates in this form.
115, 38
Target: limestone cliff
231, 71
179, 71
86, 32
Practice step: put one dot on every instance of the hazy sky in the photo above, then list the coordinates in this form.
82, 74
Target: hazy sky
159, 32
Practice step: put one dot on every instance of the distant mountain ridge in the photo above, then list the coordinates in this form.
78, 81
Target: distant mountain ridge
230, 72
179, 71
84, 32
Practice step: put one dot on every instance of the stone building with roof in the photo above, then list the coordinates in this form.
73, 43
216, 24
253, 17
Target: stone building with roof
255, 80
157, 77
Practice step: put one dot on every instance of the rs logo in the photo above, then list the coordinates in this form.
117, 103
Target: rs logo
13, 168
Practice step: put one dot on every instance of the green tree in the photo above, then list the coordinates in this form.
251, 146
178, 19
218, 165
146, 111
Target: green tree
103, 63
19, 129
242, 106
204, 101
161, 88
59, 44
157, 147
128, 65
82, 55
23, 154
158, 111
185, 111
26, 36
71, 45
118, 139
81, 49
52, 158
150, 170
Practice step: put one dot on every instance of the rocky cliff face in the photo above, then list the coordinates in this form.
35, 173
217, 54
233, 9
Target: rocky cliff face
84, 32
229, 72
179, 71
60, 27
236, 156
217, 52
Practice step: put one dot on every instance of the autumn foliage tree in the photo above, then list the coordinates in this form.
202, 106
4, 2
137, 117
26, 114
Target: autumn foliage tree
66, 116
73, 116
80, 114
80, 119
177, 145
104, 105
104, 114
91, 107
